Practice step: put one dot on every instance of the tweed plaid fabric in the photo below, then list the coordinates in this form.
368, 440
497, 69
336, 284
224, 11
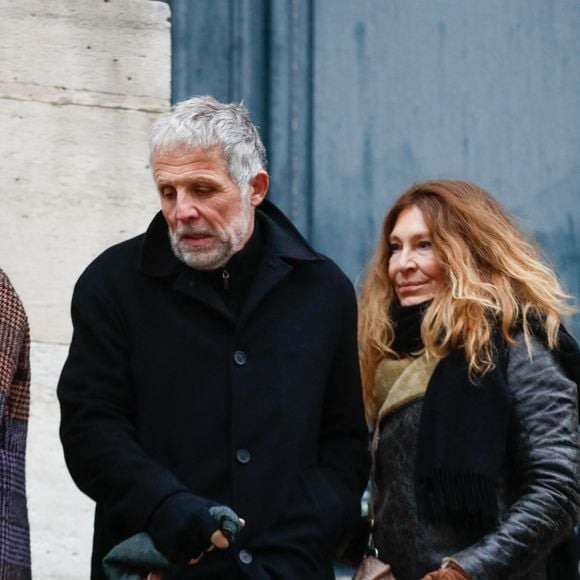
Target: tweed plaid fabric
14, 406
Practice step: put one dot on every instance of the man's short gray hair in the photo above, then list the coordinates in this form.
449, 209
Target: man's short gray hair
204, 122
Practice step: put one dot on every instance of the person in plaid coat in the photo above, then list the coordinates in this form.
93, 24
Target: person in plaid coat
14, 406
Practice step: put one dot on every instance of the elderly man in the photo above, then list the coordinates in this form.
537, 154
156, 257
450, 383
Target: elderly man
214, 362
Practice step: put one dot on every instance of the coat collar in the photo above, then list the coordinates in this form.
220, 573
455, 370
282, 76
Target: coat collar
281, 238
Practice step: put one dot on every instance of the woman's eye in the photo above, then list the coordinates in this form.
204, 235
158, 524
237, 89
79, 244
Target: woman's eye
424, 244
393, 247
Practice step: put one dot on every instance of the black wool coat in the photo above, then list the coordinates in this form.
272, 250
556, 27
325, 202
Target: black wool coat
166, 399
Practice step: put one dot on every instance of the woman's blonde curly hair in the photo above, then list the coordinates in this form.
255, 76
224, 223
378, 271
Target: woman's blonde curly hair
493, 278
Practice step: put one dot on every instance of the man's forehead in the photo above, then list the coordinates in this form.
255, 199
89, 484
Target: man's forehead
191, 158
180, 150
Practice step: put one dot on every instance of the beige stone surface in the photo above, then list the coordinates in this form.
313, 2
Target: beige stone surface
80, 84
81, 184
61, 517
111, 53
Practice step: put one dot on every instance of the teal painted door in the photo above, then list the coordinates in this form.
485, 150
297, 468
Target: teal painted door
358, 99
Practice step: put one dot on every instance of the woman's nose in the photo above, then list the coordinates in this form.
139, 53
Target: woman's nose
407, 259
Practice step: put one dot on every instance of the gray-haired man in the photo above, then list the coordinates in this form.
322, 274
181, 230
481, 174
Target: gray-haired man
214, 362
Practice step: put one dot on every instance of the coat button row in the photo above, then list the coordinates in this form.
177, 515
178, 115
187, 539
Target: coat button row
243, 455
246, 557
240, 357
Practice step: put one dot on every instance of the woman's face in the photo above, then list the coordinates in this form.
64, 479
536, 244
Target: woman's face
414, 269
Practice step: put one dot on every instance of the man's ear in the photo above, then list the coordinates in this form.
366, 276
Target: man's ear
259, 188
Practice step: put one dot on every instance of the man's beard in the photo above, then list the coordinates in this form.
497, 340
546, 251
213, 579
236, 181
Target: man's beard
226, 242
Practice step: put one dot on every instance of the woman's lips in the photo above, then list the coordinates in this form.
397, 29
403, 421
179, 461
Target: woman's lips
409, 286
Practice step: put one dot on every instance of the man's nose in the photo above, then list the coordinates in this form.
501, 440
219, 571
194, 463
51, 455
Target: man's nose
185, 207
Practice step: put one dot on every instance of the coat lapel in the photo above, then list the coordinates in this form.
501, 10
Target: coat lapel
269, 274
283, 246
200, 290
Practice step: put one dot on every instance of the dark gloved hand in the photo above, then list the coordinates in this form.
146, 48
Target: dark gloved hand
452, 571
181, 527
228, 521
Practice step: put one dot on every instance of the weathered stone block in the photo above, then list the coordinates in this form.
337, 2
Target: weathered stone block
80, 83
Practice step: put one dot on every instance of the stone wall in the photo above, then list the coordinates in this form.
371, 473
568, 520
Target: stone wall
80, 83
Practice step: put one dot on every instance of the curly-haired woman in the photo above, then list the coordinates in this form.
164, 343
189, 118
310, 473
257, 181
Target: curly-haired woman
466, 370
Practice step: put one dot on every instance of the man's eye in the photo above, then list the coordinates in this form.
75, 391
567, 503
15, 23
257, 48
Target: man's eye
167, 192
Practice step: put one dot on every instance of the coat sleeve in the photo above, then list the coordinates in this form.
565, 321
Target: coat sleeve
14, 406
545, 454
344, 459
14, 355
97, 432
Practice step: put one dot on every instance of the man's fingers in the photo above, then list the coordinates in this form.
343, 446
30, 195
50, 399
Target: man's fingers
195, 560
219, 540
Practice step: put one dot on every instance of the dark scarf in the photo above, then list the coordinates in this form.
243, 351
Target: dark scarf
464, 426
239, 272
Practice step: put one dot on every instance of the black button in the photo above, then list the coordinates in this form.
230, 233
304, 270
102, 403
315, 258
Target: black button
243, 455
240, 357
246, 557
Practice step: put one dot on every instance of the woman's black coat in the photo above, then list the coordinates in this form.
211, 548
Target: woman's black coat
164, 394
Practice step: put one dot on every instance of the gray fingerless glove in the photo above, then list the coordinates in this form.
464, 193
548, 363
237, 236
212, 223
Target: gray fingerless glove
227, 520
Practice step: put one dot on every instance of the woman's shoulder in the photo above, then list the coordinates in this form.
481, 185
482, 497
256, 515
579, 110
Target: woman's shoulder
530, 362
